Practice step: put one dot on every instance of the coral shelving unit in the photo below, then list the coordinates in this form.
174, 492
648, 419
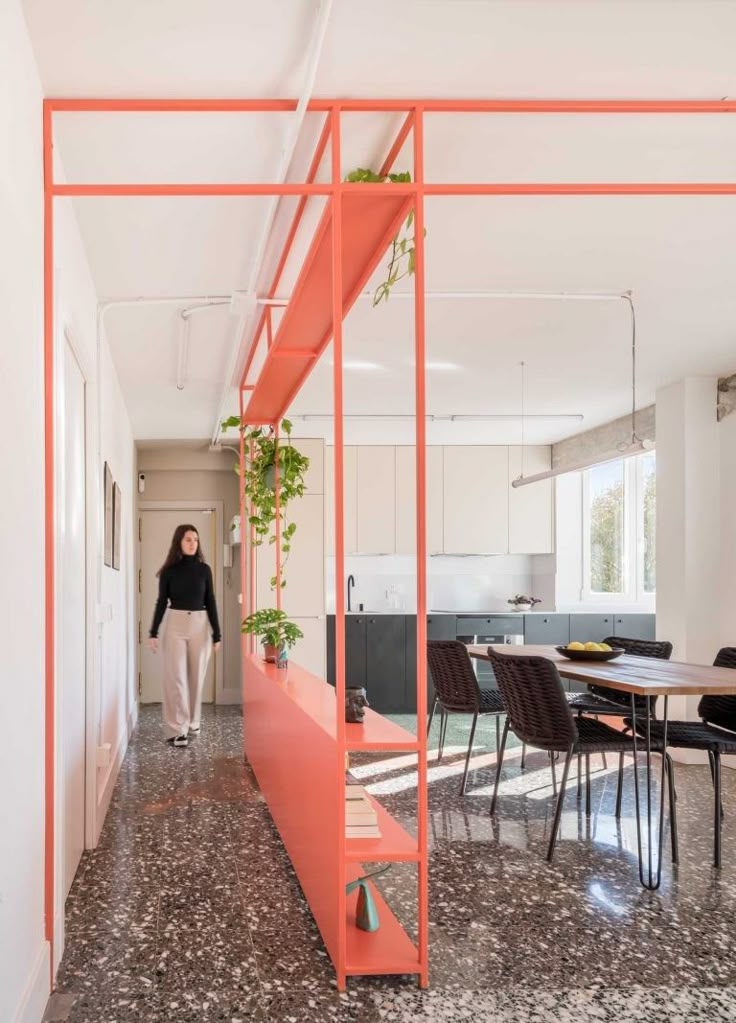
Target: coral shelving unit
296, 738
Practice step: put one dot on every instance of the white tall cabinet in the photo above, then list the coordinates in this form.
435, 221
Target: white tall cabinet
530, 508
376, 500
406, 500
303, 597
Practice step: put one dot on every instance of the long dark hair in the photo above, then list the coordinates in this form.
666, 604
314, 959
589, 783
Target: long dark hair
175, 553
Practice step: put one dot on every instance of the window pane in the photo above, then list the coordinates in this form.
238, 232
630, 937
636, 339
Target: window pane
649, 499
606, 489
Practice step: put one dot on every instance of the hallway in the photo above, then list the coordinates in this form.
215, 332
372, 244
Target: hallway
189, 910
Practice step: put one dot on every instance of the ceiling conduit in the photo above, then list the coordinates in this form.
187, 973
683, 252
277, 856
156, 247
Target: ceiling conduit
246, 321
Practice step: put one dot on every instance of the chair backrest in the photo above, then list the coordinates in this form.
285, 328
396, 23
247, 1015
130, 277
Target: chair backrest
659, 648
721, 710
535, 701
454, 680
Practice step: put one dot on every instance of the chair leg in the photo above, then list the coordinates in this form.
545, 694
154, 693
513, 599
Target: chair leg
523, 755
558, 808
620, 785
431, 715
499, 763
673, 808
470, 750
443, 731
717, 819
711, 761
587, 785
554, 773
498, 730
580, 774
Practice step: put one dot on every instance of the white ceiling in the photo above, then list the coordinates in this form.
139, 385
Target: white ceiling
674, 253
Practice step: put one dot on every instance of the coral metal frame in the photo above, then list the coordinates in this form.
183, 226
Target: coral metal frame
352, 249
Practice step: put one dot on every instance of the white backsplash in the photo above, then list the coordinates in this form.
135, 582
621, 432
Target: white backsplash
453, 584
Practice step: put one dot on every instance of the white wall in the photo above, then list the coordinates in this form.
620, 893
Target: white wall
727, 438
24, 971
24, 952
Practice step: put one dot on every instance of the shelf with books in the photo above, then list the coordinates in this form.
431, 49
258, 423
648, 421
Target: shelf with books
394, 843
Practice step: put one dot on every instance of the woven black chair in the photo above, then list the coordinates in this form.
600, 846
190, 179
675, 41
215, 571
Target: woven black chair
538, 711
600, 700
457, 692
715, 734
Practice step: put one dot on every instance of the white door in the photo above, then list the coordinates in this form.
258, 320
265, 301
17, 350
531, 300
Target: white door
157, 529
73, 638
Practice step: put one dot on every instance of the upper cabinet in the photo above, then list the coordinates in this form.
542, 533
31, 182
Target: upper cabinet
476, 518
350, 499
471, 506
406, 500
530, 508
376, 503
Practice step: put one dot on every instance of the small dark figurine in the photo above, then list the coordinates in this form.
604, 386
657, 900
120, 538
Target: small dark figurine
355, 704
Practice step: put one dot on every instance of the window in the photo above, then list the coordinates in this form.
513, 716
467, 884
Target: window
619, 530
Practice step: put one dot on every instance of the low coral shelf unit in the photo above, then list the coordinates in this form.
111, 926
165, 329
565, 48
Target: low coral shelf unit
292, 745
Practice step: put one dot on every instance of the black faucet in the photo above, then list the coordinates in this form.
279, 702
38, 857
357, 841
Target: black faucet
351, 583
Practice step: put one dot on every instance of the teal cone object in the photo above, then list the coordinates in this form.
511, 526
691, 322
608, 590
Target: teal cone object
366, 914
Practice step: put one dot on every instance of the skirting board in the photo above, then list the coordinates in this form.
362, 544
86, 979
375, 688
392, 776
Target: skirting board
33, 1001
229, 697
110, 774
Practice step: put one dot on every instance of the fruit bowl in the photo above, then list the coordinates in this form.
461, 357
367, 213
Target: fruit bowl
590, 655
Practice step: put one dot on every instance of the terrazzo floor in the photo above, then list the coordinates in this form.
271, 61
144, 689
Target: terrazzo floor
189, 910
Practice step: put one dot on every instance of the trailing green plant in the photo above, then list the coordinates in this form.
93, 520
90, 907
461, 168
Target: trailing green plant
264, 451
273, 627
402, 261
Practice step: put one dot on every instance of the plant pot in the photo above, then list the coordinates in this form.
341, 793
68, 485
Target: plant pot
276, 655
522, 607
269, 477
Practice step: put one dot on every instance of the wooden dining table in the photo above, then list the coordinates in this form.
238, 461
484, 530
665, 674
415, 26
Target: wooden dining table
637, 676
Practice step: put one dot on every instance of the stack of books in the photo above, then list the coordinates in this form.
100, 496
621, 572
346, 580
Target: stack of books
361, 819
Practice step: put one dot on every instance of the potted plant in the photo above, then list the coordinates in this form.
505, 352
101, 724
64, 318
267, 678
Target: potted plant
264, 451
522, 603
403, 250
277, 633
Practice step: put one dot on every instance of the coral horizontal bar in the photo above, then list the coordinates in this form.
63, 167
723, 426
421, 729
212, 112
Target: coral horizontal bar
389, 950
394, 844
371, 217
488, 106
196, 188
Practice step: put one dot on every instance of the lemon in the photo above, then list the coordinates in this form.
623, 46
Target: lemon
575, 646
592, 646
603, 646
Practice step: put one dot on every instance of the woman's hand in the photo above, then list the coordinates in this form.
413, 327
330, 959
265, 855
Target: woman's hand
216, 646
153, 643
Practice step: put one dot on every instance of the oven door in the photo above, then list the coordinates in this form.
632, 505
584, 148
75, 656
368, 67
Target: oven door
483, 670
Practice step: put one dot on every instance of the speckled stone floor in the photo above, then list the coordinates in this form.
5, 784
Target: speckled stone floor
189, 910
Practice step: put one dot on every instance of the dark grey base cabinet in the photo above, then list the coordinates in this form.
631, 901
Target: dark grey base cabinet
546, 630
375, 657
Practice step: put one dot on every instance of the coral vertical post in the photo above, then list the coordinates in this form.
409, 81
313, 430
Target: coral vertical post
339, 785
421, 513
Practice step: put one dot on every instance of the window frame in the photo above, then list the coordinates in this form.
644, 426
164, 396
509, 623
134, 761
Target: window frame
633, 592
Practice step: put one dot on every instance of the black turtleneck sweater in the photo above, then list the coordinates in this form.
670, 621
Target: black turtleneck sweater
188, 586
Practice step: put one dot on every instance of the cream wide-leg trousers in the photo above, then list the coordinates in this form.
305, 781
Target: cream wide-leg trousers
187, 645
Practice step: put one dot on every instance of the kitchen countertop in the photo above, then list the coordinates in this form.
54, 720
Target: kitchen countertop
492, 614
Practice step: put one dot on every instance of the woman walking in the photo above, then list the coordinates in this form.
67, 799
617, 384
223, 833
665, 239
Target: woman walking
185, 582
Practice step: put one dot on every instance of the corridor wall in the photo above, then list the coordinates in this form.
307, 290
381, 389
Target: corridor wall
25, 952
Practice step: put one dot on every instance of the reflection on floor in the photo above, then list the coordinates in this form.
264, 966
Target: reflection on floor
189, 910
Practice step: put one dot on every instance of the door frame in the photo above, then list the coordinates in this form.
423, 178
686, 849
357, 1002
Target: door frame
64, 336
218, 506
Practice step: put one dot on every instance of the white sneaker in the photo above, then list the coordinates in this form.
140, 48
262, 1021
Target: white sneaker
179, 740
195, 729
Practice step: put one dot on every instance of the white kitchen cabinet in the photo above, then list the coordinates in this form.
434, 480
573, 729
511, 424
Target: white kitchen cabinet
304, 593
531, 508
476, 503
406, 522
350, 492
309, 652
376, 506
314, 449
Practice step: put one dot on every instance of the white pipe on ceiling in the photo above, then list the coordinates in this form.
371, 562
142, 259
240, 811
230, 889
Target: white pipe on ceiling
246, 322
582, 296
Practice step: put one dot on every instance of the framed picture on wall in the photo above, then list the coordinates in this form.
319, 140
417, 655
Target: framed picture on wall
108, 515
117, 507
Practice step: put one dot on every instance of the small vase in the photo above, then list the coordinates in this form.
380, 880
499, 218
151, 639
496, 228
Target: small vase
522, 607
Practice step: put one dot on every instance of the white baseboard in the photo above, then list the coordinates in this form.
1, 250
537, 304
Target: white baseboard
33, 1001
229, 697
59, 938
110, 776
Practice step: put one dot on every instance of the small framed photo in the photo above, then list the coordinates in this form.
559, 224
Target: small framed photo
117, 506
108, 515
